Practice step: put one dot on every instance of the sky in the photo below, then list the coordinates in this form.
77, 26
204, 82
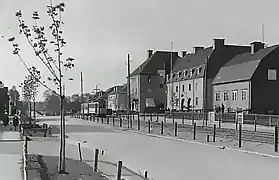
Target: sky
100, 34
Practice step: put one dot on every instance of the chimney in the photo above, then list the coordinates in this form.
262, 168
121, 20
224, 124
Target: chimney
218, 43
197, 48
183, 53
149, 53
256, 46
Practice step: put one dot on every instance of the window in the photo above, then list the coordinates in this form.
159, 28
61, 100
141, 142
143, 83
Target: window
179, 74
176, 88
190, 87
193, 71
272, 74
186, 73
217, 96
196, 86
226, 95
197, 101
200, 70
244, 94
136, 92
234, 95
183, 88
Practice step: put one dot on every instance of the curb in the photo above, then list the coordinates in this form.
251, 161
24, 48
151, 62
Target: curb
205, 144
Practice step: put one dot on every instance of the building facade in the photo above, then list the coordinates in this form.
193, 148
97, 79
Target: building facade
148, 89
249, 82
117, 100
190, 85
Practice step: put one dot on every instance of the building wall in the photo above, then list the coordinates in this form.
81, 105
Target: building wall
135, 91
265, 94
230, 87
117, 101
151, 90
197, 91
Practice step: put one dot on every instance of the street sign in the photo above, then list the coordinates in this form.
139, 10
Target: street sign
239, 117
211, 116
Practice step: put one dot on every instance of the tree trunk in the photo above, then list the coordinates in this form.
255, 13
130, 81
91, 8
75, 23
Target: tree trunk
34, 113
30, 112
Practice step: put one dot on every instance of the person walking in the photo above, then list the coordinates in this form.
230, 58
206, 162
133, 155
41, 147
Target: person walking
15, 122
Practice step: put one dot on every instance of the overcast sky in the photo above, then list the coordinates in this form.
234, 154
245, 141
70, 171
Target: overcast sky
100, 33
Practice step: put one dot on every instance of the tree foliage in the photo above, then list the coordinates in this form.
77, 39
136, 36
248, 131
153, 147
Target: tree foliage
31, 84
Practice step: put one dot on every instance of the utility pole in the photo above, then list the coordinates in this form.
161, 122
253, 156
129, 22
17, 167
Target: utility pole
96, 90
81, 89
171, 79
129, 88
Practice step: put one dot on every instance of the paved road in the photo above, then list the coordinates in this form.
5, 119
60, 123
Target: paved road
169, 159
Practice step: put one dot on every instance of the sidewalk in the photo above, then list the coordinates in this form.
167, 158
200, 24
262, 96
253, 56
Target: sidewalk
10, 155
50, 149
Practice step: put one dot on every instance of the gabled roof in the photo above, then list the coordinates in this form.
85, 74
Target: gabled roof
119, 89
193, 60
242, 66
155, 62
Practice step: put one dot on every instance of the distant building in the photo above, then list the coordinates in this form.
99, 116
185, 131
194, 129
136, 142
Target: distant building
190, 85
249, 81
148, 90
117, 99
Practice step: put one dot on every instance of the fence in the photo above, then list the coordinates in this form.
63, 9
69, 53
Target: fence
198, 124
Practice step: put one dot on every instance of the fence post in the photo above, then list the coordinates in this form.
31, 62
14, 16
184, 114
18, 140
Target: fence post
151, 117
239, 136
220, 121
102, 120
79, 151
157, 117
119, 169
107, 119
207, 138
149, 126
214, 133
255, 123
145, 174
183, 119
113, 120
138, 122
175, 129
162, 127
194, 135
275, 138
96, 160
165, 116
120, 123
143, 116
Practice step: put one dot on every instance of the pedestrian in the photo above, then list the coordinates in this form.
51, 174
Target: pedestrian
15, 122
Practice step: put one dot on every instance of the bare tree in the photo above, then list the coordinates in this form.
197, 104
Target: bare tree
49, 52
30, 87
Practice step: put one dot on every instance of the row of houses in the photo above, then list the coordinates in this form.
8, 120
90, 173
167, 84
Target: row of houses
236, 77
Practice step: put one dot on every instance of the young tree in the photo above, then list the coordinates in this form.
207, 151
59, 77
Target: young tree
30, 88
43, 49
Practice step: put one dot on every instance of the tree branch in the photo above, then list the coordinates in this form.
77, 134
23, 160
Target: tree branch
33, 75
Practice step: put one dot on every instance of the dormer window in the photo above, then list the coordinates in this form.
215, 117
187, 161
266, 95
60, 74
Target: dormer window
185, 73
179, 74
193, 71
200, 70
173, 76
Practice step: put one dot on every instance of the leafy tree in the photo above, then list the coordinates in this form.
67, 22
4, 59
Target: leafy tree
52, 102
36, 38
30, 87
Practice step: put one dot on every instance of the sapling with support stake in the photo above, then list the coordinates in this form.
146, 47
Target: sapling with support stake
51, 58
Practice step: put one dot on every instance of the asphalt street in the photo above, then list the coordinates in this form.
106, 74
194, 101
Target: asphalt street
170, 159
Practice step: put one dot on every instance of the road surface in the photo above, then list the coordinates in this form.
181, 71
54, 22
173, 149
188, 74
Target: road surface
170, 159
